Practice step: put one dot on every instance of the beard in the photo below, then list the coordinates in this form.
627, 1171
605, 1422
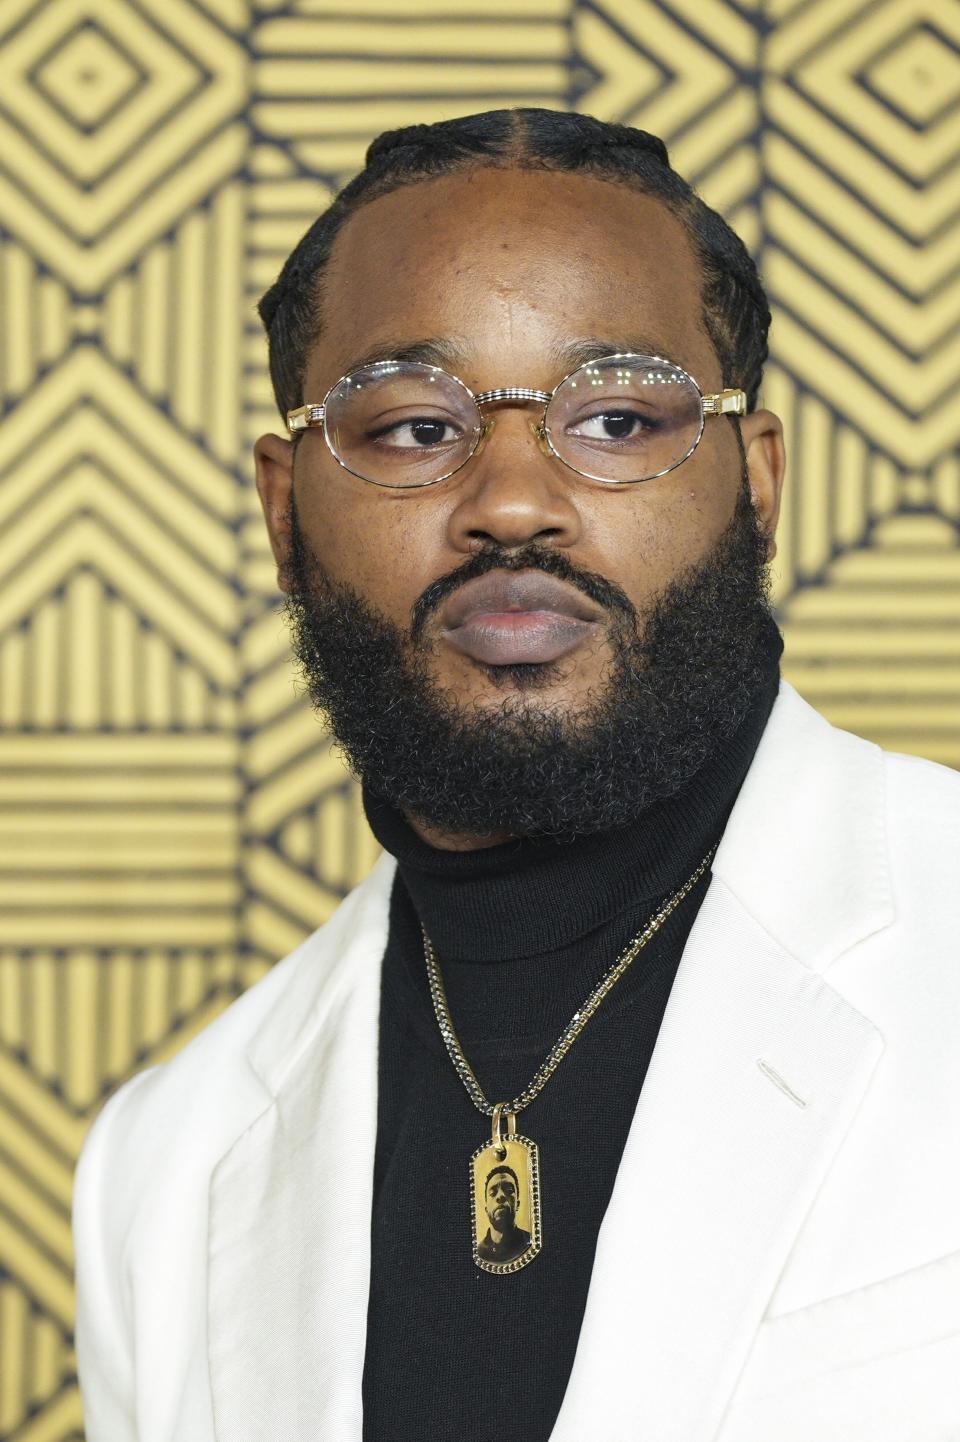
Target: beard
680, 684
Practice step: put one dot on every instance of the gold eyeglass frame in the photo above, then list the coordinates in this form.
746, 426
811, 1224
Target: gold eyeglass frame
722, 403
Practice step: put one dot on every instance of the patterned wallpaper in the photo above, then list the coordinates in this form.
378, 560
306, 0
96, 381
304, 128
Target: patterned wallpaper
171, 818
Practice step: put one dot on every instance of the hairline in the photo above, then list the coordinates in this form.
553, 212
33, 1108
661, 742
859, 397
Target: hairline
496, 1171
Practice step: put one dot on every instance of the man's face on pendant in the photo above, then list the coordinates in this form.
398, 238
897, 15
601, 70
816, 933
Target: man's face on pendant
501, 1201
508, 269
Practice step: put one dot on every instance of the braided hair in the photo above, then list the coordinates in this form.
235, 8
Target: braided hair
736, 315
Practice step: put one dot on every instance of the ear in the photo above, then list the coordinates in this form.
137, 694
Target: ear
274, 462
762, 433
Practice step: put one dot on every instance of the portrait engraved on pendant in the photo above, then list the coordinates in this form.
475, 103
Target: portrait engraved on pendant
505, 1205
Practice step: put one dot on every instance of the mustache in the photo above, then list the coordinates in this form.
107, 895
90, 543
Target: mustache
530, 557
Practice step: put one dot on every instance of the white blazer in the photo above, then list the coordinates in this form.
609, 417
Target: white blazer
780, 1260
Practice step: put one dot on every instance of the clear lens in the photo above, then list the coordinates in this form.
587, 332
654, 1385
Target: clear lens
625, 418
400, 424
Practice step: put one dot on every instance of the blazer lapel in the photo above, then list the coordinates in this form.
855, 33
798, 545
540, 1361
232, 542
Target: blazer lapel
290, 1203
757, 1074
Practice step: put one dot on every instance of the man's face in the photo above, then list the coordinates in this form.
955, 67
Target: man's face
501, 1201
508, 269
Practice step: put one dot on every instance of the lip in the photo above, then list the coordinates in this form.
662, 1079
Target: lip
517, 617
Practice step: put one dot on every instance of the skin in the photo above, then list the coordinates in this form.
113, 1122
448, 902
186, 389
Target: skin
506, 267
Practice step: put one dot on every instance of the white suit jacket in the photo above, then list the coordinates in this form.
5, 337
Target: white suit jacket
780, 1260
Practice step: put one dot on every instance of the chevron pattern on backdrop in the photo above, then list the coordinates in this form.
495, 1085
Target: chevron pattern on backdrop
171, 818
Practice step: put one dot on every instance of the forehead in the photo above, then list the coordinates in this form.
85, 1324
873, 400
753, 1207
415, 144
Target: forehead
501, 1179
508, 267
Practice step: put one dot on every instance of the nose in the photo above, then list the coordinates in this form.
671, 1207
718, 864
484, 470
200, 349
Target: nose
512, 492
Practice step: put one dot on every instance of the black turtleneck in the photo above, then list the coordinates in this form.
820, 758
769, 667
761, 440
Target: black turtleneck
523, 930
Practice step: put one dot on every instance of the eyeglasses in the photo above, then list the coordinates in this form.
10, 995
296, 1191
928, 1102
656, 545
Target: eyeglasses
619, 419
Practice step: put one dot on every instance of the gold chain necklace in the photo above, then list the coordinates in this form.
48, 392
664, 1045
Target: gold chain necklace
505, 1172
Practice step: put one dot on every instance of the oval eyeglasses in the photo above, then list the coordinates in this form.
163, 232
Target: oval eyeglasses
619, 419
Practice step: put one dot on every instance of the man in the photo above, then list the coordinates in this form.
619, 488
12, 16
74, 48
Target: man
634, 891
503, 1241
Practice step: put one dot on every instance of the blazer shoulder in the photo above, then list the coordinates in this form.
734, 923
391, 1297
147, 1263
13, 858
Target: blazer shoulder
917, 782
179, 1117
919, 798
923, 815
923, 846
169, 1119
143, 1170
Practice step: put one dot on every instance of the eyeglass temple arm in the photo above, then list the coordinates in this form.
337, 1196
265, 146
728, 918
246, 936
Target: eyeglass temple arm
303, 417
725, 403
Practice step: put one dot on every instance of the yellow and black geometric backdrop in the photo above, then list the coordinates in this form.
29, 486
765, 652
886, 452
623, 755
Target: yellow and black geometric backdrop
171, 818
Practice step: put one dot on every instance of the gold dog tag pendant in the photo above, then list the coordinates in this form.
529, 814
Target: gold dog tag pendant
505, 1199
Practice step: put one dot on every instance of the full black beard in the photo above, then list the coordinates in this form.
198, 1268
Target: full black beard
679, 686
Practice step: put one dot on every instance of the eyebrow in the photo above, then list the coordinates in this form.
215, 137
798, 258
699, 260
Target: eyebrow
432, 352
590, 348
453, 354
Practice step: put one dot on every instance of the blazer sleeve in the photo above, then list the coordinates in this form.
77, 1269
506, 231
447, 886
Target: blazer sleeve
101, 1224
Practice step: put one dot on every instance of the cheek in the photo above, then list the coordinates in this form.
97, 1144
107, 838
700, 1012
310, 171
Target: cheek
643, 546
643, 541
379, 544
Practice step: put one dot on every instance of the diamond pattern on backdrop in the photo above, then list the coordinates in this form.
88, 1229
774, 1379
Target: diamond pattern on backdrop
172, 818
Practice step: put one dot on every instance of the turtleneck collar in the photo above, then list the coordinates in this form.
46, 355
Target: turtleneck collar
530, 897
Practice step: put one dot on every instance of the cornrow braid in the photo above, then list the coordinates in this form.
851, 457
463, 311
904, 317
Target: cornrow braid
736, 314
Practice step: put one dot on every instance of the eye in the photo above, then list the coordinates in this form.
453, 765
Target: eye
615, 424
418, 433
